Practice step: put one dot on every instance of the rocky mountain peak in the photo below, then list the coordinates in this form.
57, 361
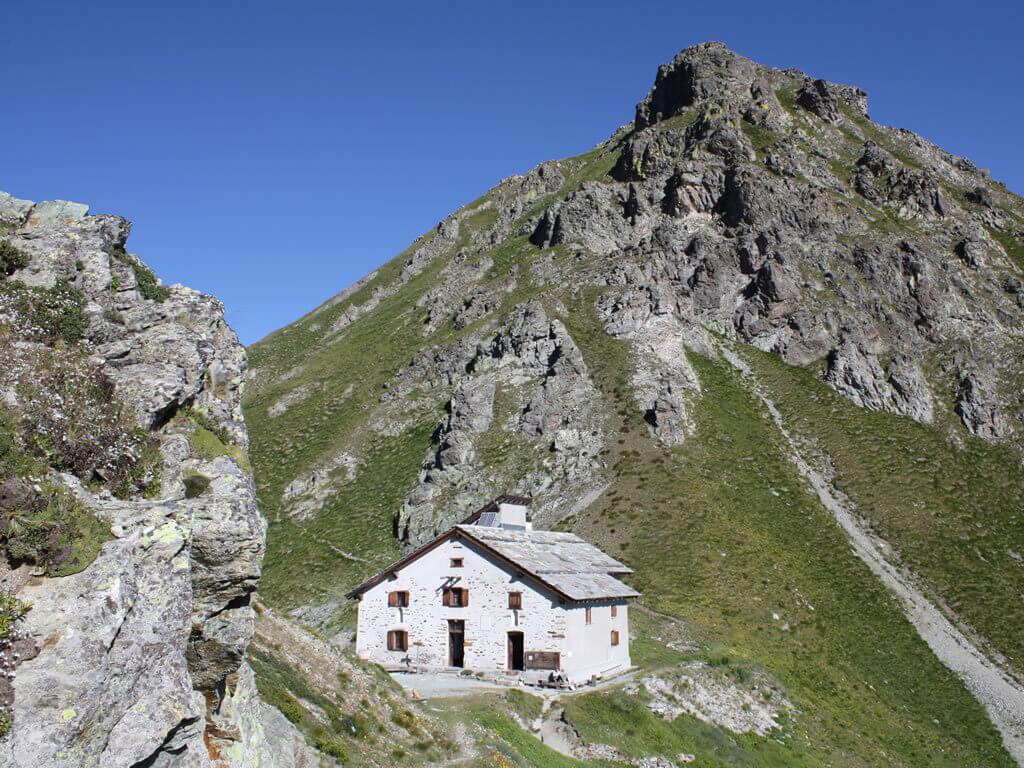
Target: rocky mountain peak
710, 75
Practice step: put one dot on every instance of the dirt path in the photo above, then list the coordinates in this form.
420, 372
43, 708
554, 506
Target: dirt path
1000, 695
555, 732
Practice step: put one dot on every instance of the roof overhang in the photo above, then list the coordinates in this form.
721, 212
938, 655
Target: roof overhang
510, 564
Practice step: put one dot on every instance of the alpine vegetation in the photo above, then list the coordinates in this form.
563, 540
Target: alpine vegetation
760, 349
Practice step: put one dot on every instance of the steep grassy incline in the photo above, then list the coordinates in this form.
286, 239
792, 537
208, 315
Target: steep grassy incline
723, 533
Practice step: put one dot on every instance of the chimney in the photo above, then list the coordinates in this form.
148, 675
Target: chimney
513, 512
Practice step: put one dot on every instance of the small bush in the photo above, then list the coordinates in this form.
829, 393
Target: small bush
54, 531
352, 725
146, 282
12, 610
288, 705
11, 259
195, 485
329, 746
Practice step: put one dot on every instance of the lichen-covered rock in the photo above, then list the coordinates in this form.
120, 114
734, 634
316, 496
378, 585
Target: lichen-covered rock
136, 654
542, 369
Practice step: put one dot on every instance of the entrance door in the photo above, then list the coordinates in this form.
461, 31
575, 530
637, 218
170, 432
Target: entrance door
456, 643
515, 651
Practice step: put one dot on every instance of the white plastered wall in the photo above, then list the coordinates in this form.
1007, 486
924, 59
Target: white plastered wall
546, 624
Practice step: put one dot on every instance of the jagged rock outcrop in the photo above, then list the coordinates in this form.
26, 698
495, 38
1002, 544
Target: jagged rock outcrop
553, 407
727, 198
136, 656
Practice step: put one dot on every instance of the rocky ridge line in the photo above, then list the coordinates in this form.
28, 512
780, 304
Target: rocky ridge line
139, 659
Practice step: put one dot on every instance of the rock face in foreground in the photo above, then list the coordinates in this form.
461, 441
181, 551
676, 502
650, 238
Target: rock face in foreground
138, 660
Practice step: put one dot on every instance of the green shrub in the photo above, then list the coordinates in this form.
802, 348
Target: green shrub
195, 484
287, 704
11, 259
330, 747
145, 280
208, 445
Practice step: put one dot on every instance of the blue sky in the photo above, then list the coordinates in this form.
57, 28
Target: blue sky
273, 153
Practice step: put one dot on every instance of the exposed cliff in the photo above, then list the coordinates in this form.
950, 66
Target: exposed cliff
132, 541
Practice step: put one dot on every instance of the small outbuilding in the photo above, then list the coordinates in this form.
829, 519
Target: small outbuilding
493, 595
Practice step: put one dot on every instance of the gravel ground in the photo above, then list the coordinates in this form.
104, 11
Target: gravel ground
441, 685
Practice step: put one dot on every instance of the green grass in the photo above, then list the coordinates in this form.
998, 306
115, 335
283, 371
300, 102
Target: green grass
722, 532
503, 742
361, 721
301, 567
954, 514
524, 704
760, 137
682, 121
1013, 246
56, 532
623, 720
208, 445
145, 280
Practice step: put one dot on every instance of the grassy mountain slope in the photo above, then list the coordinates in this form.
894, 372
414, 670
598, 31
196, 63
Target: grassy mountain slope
726, 539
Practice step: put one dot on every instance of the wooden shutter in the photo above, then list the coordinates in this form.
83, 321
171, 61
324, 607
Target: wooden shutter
587, 615
392, 599
515, 600
615, 637
398, 640
615, 611
446, 596
465, 597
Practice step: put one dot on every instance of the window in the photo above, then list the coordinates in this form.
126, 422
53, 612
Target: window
615, 611
587, 615
456, 562
398, 640
455, 597
398, 599
515, 600
615, 637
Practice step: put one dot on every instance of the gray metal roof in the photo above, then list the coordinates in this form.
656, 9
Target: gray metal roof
572, 566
